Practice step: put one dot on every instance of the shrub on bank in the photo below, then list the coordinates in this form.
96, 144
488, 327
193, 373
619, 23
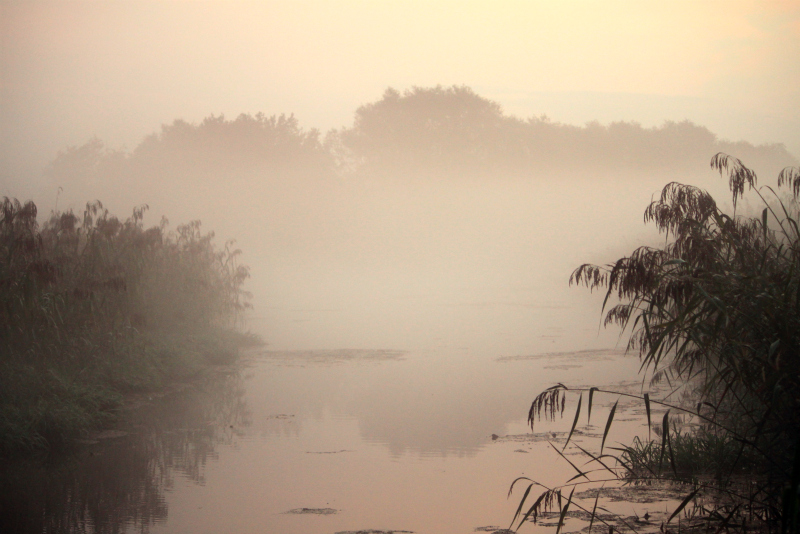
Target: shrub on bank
93, 307
715, 313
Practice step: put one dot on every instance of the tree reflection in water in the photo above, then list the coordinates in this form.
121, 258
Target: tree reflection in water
117, 485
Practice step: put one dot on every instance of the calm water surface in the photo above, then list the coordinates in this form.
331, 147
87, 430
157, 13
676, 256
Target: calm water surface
392, 438
404, 348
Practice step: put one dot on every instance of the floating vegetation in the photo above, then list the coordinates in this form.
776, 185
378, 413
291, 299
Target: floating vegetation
331, 357
313, 511
581, 356
641, 494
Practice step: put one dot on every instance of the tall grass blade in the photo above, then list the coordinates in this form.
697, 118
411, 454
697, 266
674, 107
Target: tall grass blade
515, 481
608, 425
589, 408
597, 459
580, 473
726, 521
574, 422
594, 511
683, 504
534, 509
671, 453
564, 511
521, 504
664, 437
647, 409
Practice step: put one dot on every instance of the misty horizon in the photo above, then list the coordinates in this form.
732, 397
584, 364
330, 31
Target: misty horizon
72, 71
302, 266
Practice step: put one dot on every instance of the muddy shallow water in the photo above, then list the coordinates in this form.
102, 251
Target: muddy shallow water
407, 334
307, 440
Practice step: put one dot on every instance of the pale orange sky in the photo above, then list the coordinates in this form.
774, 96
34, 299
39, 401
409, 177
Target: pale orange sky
71, 70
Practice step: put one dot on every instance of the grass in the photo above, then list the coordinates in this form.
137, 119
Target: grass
728, 483
715, 313
703, 452
92, 308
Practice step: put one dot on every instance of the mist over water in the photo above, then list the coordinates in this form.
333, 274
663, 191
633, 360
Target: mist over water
388, 307
411, 307
409, 253
394, 265
405, 261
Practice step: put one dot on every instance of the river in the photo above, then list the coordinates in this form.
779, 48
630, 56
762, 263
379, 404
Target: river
392, 394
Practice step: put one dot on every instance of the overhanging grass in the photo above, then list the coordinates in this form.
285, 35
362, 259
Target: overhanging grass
714, 312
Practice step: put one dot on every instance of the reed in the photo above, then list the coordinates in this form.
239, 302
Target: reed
93, 307
715, 313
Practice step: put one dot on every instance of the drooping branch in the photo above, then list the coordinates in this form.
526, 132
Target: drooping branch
738, 174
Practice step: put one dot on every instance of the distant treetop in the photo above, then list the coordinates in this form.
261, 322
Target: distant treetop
430, 131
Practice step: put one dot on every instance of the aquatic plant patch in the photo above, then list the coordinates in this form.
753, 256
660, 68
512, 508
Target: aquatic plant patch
312, 511
715, 315
94, 307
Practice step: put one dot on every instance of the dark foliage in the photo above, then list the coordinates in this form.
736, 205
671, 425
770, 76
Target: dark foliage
454, 130
716, 313
93, 306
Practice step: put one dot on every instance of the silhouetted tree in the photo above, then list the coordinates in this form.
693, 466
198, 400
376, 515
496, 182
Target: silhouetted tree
436, 131
443, 130
249, 149
248, 141
439, 128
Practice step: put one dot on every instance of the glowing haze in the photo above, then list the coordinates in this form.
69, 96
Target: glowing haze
117, 70
437, 250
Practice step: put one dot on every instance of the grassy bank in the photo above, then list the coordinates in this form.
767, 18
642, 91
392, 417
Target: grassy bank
94, 307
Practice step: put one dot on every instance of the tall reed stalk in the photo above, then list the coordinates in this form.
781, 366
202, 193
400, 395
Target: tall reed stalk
93, 306
716, 313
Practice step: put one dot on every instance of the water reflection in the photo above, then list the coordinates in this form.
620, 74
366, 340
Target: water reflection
117, 481
423, 403
355, 431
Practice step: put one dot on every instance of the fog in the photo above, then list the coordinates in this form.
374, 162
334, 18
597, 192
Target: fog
436, 215
584, 120
411, 185
70, 70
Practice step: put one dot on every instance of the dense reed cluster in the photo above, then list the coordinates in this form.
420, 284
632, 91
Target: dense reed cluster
715, 313
93, 306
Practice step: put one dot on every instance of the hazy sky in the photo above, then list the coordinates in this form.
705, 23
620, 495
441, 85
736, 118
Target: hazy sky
71, 69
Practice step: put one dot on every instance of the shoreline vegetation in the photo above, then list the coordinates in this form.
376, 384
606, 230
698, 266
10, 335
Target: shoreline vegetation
714, 314
93, 308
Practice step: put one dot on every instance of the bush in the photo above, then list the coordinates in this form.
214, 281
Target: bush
92, 307
716, 311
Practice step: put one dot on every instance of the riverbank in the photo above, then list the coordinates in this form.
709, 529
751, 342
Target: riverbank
48, 407
94, 308
377, 435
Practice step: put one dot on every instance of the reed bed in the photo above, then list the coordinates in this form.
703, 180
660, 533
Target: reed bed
714, 313
93, 307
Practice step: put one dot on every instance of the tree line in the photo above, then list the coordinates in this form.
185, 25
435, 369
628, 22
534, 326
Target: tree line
444, 131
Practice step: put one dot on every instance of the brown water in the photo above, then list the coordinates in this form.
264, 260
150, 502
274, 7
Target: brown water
405, 346
300, 440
